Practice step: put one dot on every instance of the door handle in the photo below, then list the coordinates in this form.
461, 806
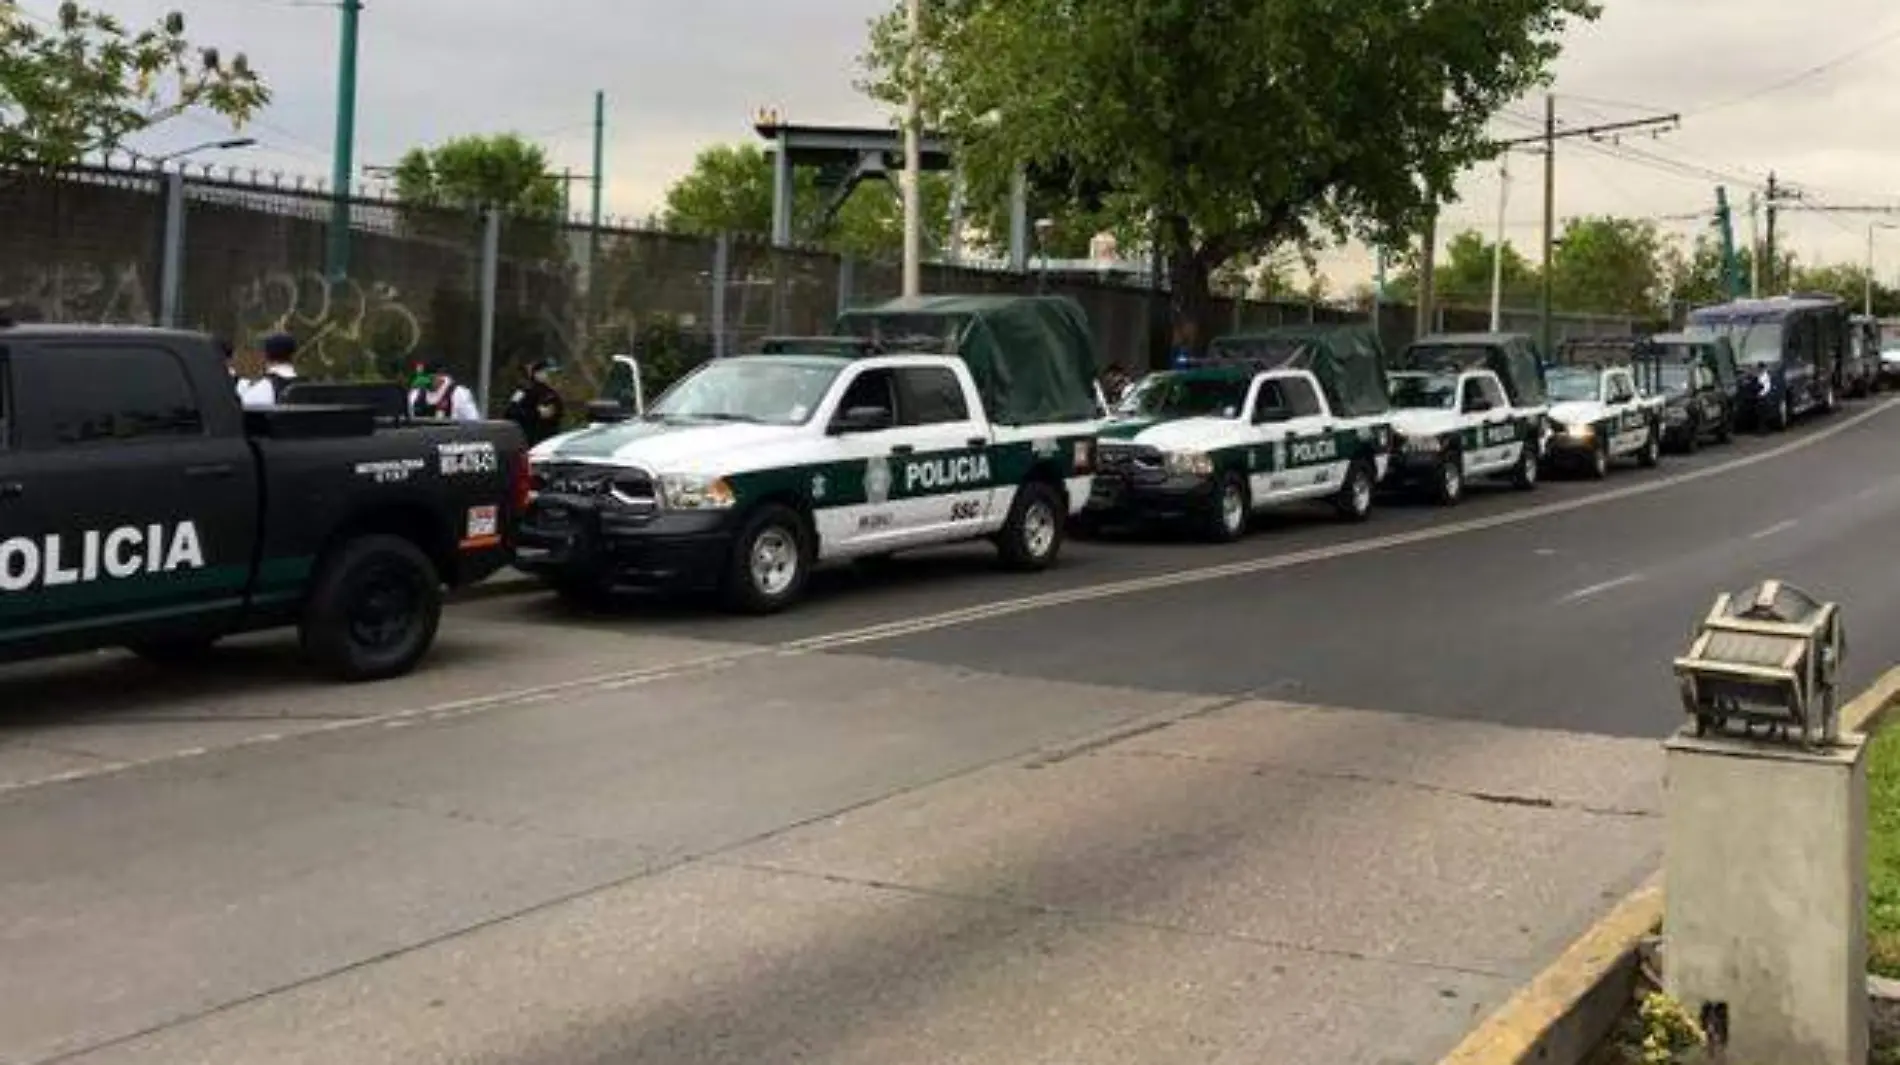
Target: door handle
12, 490
211, 471
977, 441
903, 449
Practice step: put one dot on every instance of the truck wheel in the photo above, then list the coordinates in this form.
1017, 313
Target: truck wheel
373, 610
1600, 461
1782, 416
1228, 510
1524, 477
771, 559
1829, 401
1725, 428
1692, 436
1449, 486
1354, 501
1651, 455
1032, 537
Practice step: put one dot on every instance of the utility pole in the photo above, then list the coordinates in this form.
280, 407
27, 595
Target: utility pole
1497, 248
600, 178
1754, 246
1548, 139
913, 154
343, 154
1768, 250
1731, 284
1544, 324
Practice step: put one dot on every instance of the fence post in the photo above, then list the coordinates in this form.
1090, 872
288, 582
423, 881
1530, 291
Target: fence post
847, 270
491, 280
171, 269
722, 269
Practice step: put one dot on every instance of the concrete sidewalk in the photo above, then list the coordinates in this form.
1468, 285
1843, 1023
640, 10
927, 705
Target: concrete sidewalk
1250, 882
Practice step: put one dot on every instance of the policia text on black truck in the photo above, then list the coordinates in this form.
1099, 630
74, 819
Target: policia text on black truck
139, 506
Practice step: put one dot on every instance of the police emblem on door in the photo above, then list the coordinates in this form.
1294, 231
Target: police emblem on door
877, 480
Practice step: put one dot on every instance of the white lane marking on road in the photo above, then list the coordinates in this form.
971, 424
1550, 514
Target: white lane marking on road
986, 612
1544, 552
1599, 589
1778, 527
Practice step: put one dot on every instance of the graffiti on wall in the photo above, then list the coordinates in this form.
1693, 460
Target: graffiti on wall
80, 293
345, 329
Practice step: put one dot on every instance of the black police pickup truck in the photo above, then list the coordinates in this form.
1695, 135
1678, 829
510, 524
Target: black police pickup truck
140, 506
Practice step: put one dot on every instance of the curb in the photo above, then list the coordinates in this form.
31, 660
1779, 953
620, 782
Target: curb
1564, 1013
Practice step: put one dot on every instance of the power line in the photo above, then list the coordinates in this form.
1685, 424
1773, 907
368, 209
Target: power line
1804, 75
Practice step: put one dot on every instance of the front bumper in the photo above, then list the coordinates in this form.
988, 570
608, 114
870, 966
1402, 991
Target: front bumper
589, 542
1116, 495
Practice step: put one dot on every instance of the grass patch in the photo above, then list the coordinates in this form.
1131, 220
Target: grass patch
1883, 853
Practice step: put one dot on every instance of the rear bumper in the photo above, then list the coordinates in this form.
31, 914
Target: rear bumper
582, 544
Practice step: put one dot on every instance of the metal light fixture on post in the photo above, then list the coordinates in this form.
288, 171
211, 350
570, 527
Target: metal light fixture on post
208, 146
1765, 829
1767, 658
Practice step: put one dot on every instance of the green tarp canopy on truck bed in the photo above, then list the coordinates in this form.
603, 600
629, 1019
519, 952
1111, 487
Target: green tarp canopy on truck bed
1511, 356
1347, 359
1033, 357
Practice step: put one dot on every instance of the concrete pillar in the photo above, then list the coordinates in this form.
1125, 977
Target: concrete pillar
1019, 222
1766, 873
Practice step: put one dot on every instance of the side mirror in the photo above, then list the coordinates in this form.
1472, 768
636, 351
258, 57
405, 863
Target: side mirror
862, 420
1272, 415
607, 412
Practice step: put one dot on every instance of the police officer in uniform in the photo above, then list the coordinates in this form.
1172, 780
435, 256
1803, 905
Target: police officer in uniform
536, 406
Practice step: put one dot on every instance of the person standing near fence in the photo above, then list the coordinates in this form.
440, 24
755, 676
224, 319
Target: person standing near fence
438, 394
280, 352
536, 406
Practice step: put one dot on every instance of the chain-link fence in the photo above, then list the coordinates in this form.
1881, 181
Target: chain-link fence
245, 258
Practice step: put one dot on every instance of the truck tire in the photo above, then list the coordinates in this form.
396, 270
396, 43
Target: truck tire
1725, 428
1228, 511
770, 563
1354, 501
1599, 467
373, 610
1829, 400
1779, 420
1651, 455
1692, 437
1524, 477
1032, 536
1448, 483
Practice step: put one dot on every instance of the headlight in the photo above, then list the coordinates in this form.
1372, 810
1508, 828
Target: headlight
1581, 433
1422, 445
688, 491
1188, 464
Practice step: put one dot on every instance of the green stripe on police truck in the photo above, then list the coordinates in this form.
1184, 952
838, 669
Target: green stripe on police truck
883, 478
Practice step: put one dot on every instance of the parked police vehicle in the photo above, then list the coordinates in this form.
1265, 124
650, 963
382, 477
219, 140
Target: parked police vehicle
1466, 406
1598, 414
140, 506
1266, 420
1696, 378
1789, 349
962, 418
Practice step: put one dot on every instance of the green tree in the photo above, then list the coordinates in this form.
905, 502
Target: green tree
1609, 266
1462, 276
729, 190
472, 173
1231, 127
85, 82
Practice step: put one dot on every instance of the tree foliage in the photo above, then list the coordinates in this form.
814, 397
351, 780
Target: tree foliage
85, 82
471, 173
729, 190
1607, 265
1462, 275
1228, 126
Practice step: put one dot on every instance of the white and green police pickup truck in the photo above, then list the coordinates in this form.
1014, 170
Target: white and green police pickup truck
1455, 426
754, 469
1598, 415
1215, 444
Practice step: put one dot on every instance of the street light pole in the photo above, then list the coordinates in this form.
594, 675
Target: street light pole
913, 154
207, 146
342, 158
1497, 249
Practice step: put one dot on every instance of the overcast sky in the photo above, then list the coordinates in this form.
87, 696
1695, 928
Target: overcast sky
1807, 89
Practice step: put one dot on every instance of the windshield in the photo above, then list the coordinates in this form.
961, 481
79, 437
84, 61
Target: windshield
765, 391
1171, 396
1753, 341
1674, 378
1570, 384
1423, 391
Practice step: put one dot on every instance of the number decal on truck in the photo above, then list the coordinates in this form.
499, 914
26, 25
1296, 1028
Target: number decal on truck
966, 511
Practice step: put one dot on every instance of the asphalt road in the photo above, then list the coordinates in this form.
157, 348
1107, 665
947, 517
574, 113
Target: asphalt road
1120, 811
